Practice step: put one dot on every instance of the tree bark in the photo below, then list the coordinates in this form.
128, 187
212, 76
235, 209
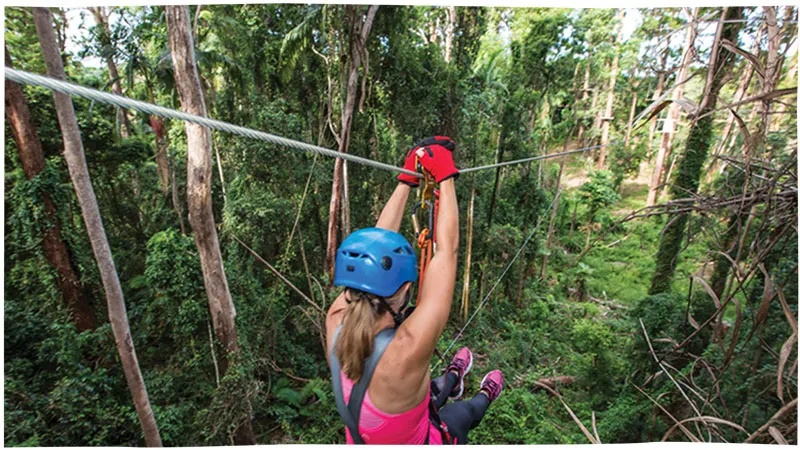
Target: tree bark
76, 163
656, 95
584, 97
101, 17
771, 75
697, 145
468, 264
595, 96
358, 38
162, 163
449, 32
198, 192
498, 157
673, 115
632, 113
23, 131
610, 100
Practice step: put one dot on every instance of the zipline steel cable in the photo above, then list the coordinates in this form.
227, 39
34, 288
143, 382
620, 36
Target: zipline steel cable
21, 76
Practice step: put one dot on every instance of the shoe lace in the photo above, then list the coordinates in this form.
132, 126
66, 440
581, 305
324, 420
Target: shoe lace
491, 386
459, 364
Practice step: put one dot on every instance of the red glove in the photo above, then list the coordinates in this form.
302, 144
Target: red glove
437, 157
410, 164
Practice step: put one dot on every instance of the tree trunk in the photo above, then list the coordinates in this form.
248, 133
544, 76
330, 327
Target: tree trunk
656, 95
449, 32
162, 163
497, 159
198, 192
771, 76
554, 212
673, 115
78, 171
697, 145
358, 37
584, 97
595, 96
632, 113
23, 130
468, 264
610, 101
101, 17
176, 201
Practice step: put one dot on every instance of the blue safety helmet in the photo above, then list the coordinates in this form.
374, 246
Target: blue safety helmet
376, 261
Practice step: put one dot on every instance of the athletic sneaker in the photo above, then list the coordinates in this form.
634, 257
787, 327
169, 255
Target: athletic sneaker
462, 363
492, 384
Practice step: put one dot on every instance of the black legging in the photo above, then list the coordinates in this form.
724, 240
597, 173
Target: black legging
460, 416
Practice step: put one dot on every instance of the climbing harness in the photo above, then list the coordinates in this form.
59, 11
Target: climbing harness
425, 236
350, 412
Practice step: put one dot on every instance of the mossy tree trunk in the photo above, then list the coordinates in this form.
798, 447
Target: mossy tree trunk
697, 145
29, 146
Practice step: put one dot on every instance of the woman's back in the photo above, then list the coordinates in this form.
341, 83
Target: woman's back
379, 427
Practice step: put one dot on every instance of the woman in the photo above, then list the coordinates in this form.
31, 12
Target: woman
387, 372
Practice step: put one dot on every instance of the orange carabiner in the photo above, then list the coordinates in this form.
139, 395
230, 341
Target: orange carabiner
426, 253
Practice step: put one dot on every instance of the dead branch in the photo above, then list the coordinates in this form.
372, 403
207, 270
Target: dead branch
569, 410
280, 276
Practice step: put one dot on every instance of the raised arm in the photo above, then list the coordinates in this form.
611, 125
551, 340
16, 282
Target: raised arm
428, 321
430, 317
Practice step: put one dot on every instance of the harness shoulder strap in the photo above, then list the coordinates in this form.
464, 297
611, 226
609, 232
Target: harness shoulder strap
351, 412
338, 394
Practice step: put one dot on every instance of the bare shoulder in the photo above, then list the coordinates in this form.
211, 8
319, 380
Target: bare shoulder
401, 379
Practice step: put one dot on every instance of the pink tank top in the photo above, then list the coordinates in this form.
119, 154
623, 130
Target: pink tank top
377, 427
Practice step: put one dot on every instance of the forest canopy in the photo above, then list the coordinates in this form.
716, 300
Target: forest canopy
634, 276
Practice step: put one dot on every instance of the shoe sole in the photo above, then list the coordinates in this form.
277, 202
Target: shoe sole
501, 387
461, 383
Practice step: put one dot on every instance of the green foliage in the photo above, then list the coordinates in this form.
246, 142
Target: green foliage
598, 192
511, 89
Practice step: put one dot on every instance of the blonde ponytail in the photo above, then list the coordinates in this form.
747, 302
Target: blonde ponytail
354, 344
